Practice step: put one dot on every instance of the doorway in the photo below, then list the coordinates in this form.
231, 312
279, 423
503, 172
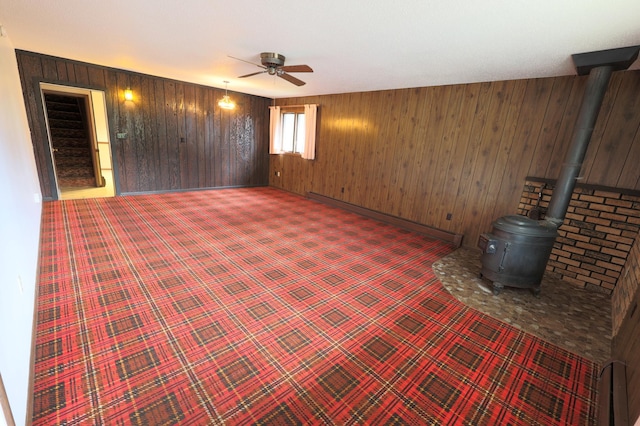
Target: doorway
79, 141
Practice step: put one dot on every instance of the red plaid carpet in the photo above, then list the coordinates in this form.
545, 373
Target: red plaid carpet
255, 306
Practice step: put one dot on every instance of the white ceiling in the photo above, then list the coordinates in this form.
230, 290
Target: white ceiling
352, 45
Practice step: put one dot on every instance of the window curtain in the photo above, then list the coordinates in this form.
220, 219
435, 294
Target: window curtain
275, 130
310, 112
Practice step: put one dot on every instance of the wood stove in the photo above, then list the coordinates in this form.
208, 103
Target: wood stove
517, 250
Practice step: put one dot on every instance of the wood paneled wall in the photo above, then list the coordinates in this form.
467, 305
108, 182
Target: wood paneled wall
625, 316
464, 150
177, 136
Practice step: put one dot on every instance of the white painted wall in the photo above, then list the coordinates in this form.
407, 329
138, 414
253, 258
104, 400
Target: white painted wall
20, 211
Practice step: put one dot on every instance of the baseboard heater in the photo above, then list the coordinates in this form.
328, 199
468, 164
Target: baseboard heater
450, 237
612, 394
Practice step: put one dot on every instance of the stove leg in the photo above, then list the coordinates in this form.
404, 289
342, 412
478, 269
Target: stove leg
536, 291
497, 288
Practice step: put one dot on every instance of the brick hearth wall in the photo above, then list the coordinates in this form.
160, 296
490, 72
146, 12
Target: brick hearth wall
597, 235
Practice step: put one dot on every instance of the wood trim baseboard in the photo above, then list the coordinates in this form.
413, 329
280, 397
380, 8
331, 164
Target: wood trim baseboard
439, 234
169, 191
4, 403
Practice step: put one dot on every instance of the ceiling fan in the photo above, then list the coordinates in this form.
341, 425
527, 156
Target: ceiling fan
273, 64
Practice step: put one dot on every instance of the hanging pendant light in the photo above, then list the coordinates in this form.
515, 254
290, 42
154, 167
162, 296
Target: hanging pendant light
226, 102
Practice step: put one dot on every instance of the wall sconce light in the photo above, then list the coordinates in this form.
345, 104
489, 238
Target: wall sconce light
226, 102
128, 94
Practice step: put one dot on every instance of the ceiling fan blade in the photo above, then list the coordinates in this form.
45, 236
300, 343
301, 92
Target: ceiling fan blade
292, 79
296, 68
242, 60
253, 73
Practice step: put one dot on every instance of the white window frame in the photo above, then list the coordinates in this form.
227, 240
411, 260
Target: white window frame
307, 132
292, 129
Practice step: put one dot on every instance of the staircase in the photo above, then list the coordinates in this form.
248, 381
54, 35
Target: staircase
72, 151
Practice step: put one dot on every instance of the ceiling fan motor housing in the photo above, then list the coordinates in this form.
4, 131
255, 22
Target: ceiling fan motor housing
272, 60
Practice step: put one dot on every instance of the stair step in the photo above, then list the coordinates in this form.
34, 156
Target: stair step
55, 106
58, 123
73, 171
64, 115
73, 152
68, 133
76, 182
76, 157
58, 142
63, 99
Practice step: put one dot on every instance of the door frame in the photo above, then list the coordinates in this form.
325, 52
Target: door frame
60, 89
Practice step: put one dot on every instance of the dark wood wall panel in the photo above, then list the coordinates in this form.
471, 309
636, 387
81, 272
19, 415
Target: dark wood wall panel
423, 153
29, 65
177, 136
626, 327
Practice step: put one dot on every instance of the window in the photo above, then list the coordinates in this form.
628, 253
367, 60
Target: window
292, 130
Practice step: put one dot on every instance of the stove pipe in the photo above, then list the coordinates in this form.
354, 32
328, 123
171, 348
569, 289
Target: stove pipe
594, 94
599, 65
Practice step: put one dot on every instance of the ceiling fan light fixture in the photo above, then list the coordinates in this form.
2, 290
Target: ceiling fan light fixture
226, 102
